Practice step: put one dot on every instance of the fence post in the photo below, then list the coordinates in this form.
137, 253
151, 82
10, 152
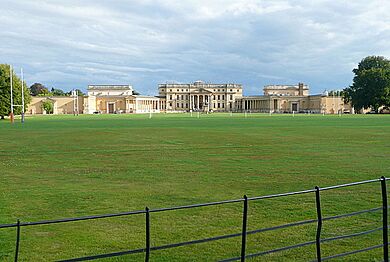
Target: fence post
147, 234
17, 240
244, 222
384, 220
319, 224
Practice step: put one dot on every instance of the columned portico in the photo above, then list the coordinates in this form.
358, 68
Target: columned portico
200, 102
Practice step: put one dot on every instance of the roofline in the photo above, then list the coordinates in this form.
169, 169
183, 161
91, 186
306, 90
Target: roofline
107, 87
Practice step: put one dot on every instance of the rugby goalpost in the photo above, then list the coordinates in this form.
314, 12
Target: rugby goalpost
75, 97
12, 117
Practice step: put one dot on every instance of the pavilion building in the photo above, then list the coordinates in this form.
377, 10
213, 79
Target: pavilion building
110, 99
293, 98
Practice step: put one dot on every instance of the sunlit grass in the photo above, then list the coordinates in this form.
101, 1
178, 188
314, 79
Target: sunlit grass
66, 166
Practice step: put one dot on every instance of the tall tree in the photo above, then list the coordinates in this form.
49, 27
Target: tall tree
5, 92
37, 89
371, 84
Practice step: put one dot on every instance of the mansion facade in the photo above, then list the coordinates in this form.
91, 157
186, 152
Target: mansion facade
194, 97
200, 96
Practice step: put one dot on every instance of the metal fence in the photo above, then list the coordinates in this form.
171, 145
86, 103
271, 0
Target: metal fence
243, 234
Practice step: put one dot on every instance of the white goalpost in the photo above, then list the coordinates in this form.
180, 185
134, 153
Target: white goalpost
75, 102
12, 116
21, 72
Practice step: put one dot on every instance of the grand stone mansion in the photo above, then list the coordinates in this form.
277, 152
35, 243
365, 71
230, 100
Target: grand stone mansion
201, 96
197, 96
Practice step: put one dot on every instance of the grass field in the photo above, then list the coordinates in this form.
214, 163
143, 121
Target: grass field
66, 166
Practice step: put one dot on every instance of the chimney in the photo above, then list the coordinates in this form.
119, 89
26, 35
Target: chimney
300, 89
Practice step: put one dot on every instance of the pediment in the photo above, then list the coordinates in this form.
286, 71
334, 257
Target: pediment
201, 91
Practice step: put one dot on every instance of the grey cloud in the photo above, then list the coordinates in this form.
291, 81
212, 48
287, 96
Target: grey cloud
73, 44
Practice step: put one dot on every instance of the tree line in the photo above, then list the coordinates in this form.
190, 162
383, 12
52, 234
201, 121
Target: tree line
38, 89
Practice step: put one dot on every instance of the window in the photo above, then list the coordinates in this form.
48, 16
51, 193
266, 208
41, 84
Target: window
219, 105
170, 90
223, 105
170, 104
170, 97
223, 97
186, 105
231, 97
177, 105
177, 90
219, 97
231, 90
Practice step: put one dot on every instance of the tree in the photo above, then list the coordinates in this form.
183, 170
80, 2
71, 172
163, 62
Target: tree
57, 92
38, 89
5, 92
335, 93
371, 84
78, 91
48, 106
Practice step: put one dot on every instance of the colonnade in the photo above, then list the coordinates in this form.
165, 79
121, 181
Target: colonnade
200, 102
256, 105
144, 105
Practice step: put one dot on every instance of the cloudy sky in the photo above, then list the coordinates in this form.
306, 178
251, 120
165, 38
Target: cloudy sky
70, 44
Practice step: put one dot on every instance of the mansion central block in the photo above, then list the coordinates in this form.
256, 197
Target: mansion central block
194, 97
200, 96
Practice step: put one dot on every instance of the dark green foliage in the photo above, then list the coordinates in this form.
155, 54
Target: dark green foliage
79, 93
57, 92
5, 92
37, 89
371, 84
336, 93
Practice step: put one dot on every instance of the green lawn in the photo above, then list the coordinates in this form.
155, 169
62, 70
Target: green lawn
65, 166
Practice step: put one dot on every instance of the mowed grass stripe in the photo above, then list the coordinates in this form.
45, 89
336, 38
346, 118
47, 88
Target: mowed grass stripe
64, 166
